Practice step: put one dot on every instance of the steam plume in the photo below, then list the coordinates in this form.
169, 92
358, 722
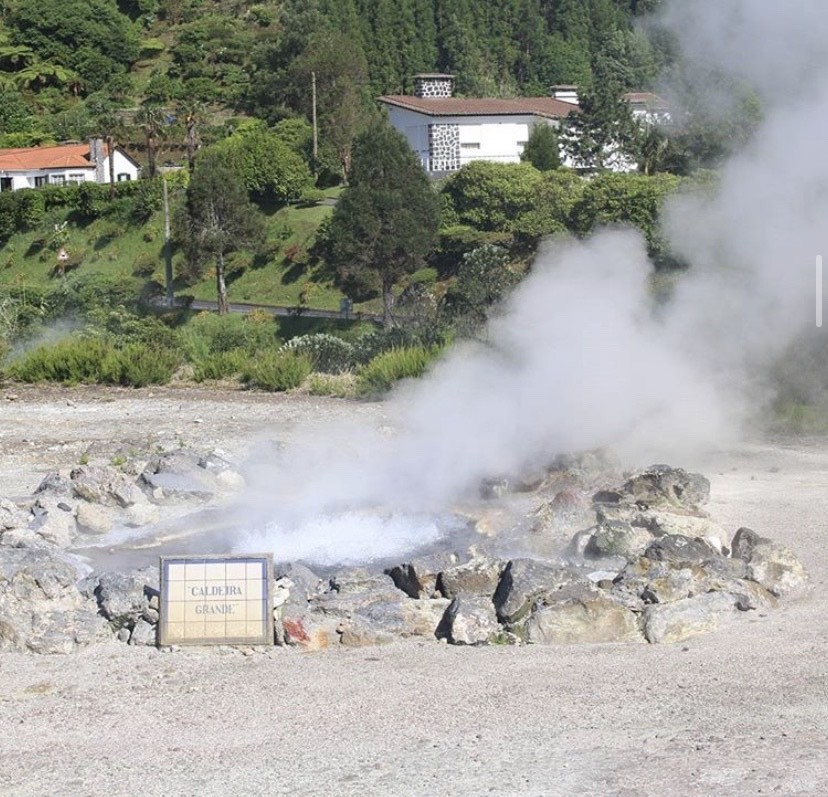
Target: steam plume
578, 358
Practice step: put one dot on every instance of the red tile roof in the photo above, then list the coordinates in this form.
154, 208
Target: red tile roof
455, 106
66, 156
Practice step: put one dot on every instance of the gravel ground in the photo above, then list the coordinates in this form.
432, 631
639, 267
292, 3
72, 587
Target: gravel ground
743, 711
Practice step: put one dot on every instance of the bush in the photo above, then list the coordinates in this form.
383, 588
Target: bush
72, 361
328, 353
140, 365
85, 360
336, 385
367, 346
222, 365
277, 371
379, 375
208, 333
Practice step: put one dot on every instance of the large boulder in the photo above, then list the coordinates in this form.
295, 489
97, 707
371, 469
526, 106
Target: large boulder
103, 484
125, 599
12, 516
188, 476
471, 620
661, 487
54, 521
480, 576
617, 538
579, 615
524, 583
41, 608
681, 550
770, 564
417, 578
95, 519
680, 620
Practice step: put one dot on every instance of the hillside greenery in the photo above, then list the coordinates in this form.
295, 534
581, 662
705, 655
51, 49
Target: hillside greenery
190, 83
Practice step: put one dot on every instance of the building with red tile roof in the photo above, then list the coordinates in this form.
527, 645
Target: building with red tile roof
33, 167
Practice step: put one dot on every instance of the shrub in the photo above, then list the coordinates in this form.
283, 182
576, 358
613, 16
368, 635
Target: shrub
277, 371
379, 375
32, 208
221, 365
328, 353
208, 333
144, 265
140, 365
72, 361
336, 385
367, 346
86, 360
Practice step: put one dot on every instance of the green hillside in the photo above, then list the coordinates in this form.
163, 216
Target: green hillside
121, 246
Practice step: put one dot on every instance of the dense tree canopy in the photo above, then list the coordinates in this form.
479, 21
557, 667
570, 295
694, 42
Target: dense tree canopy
386, 221
218, 219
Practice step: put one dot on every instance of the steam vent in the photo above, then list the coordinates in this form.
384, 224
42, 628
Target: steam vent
605, 556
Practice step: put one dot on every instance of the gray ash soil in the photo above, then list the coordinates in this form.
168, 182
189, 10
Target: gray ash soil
742, 711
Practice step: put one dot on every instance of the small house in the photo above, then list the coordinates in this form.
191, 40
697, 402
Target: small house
446, 132
66, 164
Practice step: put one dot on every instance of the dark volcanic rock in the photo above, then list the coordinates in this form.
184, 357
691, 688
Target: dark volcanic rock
664, 486
417, 578
526, 582
678, 548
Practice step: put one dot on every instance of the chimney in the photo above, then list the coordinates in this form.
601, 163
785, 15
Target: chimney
96, 156
433, 85
565, 93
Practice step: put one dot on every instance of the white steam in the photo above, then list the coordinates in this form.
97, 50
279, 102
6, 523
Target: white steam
579, 358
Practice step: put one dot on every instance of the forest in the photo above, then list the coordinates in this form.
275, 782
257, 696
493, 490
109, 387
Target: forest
152, 67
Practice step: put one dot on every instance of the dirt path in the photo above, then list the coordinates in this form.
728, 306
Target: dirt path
743, 711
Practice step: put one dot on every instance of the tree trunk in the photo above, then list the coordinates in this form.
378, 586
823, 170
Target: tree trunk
151, 154
110, 146
192, 141
221, 287
387, 304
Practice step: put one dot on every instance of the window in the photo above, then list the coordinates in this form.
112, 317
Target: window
75, 179
41, 179
123, 177
57, 179
471, 145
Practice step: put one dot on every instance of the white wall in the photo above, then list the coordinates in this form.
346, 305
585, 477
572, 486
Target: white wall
123, 166
414, 127
492, 138
498, 138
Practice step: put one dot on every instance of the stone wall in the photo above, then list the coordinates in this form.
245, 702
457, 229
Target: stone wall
433, 86
444, 148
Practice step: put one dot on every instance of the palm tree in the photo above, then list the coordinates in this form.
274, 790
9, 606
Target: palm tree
192, 112
150, 117
110, 123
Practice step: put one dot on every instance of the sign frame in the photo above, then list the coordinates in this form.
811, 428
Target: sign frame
204, 586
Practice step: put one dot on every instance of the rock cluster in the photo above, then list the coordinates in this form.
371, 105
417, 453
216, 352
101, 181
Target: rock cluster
642, 562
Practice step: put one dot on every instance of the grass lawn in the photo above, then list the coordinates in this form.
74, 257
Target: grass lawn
280, 275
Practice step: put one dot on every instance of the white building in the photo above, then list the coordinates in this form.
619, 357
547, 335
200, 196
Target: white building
447, 132
33, 167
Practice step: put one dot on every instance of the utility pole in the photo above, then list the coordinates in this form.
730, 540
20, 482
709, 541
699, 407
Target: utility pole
168, 270
315, 126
